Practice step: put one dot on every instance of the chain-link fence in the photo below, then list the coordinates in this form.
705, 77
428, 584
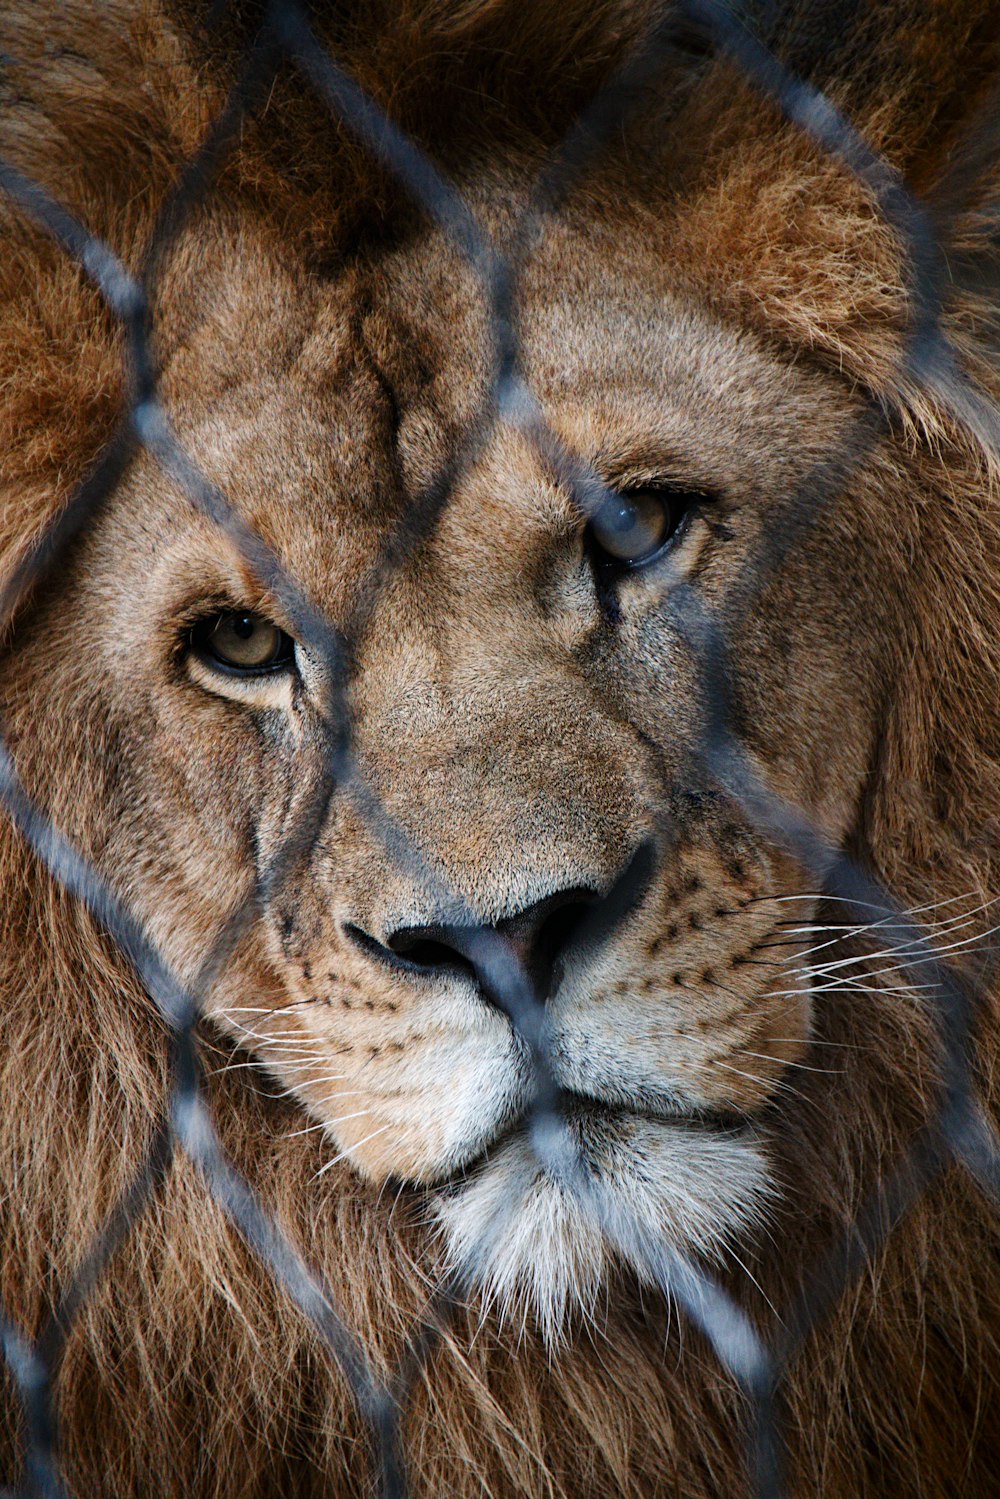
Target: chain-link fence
958, 1132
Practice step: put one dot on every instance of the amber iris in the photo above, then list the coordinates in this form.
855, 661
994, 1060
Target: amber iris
241, 641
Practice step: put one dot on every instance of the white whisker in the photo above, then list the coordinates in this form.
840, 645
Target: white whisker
762, 1056
357, 1146
326, 1124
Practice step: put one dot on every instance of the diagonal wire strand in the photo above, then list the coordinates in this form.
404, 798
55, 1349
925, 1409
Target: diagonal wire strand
927, 359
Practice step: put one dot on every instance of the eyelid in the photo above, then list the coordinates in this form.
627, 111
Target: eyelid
244, 673
258, 690
664, 484
207, 600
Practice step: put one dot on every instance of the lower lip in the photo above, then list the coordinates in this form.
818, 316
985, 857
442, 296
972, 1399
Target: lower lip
575, 1108
703, 1121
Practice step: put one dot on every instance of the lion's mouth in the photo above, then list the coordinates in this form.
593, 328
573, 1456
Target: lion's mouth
590, 1122
716, 1121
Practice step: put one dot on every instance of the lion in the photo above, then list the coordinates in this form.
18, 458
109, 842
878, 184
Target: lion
720, 327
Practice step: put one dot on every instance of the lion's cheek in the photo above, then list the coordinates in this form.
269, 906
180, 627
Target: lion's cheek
680, 1050
420, 1110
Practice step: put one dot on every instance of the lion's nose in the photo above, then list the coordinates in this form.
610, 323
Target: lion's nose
539, 936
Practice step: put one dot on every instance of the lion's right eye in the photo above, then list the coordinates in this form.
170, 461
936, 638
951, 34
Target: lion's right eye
243, 643
634, 527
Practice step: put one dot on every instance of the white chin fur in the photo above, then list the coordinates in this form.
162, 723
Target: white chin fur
533, 1248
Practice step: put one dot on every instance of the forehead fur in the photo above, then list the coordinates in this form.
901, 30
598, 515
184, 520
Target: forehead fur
104, 105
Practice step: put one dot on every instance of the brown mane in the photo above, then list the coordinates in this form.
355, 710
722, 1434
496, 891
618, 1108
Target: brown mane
189, 1372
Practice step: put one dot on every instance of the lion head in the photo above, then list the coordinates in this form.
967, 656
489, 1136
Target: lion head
421, 672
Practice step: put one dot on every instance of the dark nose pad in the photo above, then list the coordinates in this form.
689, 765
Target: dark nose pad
539, 936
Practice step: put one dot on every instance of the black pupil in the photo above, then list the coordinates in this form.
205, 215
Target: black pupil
244, 625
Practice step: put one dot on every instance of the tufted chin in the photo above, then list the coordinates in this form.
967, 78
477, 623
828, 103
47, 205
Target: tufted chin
534, 1246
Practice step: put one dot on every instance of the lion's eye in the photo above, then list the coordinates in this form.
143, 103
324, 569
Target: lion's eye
238, 641
634, 525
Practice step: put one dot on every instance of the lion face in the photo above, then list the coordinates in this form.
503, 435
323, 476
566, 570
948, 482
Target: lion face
524, 705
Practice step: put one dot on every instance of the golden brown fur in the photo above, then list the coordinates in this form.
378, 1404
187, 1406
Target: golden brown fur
318, 339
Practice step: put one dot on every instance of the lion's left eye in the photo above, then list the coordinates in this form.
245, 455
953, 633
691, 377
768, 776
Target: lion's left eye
634, 525
242, 642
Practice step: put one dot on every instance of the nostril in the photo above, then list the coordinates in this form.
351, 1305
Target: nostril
420, 950
543, 933
427, 949
561, 929
416, 949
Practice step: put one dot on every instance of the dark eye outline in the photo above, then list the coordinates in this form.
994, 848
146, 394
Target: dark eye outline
679, 504
200, 635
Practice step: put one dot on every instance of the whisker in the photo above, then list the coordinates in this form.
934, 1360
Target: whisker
910, 951
755, 1282
286, 1043
766, 962
260, 1065
815, 1041
892, 922
282, 1009
762, 1056
854, 988
751, 1077
345, 1153
864, 979
911, 938
326, 1124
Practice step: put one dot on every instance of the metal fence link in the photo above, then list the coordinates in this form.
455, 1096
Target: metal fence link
959, 1130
